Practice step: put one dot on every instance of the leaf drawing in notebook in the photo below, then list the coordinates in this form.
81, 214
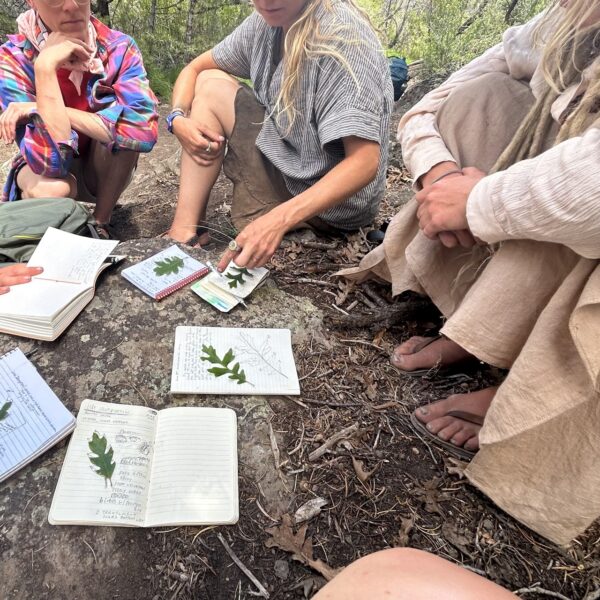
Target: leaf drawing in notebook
238, 276
171, 265
223, 365
4, 410
260, 355
103, 459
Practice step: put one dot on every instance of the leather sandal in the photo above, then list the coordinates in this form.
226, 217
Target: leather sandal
462, 453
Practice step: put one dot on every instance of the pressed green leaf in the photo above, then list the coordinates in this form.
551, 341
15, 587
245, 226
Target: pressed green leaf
218, 371
243, 271
235, 279
103, 458
228, 357
234, 372
4, 410
168, 266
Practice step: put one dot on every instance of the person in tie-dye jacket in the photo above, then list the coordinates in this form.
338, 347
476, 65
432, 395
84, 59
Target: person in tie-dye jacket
76, 100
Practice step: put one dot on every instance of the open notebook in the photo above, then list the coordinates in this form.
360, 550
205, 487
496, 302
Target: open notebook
138, 467
165, 272
228, 289
43, 308
32, 418
223, 360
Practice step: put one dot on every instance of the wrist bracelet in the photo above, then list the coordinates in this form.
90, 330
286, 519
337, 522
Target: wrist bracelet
177, 112
457, 171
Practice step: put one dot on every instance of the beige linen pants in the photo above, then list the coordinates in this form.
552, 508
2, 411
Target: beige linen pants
530, 306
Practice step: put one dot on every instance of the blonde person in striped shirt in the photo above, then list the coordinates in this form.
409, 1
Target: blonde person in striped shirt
504, 237
306, 146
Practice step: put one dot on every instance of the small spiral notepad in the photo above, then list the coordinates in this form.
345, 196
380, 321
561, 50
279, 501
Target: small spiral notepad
165, 272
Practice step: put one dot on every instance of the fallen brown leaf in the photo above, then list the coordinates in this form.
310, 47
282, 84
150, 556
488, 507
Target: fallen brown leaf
283, 537
360, 470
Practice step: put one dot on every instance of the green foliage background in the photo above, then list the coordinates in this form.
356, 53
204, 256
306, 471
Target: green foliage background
444, 34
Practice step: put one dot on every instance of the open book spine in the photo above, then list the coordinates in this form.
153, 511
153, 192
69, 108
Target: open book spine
177, 286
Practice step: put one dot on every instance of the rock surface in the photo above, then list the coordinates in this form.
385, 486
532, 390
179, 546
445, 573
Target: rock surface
120, 350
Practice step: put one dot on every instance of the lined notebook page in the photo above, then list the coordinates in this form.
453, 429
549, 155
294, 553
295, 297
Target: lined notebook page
82, 496
34, 418
265, 356
194, 472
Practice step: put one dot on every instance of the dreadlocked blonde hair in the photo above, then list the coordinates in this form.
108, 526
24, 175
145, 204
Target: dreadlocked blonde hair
569, 36
567, 51
306, 40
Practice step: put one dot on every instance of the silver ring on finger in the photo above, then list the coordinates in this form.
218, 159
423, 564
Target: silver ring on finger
208, 148
234, 246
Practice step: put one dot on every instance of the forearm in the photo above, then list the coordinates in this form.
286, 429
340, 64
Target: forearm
184, 89
50, 104
88, 124
343, 181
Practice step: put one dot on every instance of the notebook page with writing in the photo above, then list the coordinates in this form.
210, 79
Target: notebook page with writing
32, 418
82, 496
165, 272
70, 257
262, 361
194, 471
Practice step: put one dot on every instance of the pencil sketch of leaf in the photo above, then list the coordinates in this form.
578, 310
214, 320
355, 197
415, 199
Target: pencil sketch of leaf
263, 356
4, 410
171, 265
236, 373
103, 458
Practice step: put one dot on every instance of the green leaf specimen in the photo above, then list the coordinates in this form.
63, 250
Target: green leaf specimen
238, 277
104, 457
4, 410
171, 265
235, 373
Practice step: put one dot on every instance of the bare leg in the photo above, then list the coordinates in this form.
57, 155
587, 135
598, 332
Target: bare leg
214, 107
38, 186
407, 574
106, 176
457, 431
418, 353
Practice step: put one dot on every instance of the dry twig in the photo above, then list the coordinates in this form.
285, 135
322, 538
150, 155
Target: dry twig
332, 441
262, 591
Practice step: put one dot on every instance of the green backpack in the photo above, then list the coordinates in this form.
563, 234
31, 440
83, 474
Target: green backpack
23, 223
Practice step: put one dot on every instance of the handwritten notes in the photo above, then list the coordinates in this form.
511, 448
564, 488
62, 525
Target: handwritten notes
265, 356
177, 466
33, 418
69, 257
83, 496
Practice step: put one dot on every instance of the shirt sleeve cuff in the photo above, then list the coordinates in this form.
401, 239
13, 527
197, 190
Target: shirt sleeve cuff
481, 216
350, 122
423, 161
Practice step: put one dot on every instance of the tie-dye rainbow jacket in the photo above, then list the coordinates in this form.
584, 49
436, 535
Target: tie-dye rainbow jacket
121, 97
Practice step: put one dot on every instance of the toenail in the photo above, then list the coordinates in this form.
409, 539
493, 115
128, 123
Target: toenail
423, 411
430, 426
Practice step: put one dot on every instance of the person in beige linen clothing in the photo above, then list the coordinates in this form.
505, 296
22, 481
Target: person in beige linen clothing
504, 237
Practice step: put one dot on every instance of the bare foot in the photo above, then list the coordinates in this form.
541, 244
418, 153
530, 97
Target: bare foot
182, 235
457, 431
421, 353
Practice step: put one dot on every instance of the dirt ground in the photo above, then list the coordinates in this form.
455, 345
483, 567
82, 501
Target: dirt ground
381, 486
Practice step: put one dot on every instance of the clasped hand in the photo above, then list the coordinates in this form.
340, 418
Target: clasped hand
16, 113
442, 211
203, 144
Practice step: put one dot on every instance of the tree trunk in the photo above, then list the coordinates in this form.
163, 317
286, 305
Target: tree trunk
189, 31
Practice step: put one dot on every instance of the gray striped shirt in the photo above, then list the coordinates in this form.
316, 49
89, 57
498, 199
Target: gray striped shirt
331, 105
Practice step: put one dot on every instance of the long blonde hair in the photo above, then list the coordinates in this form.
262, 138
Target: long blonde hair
306, 40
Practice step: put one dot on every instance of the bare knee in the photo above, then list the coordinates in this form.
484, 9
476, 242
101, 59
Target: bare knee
51, 188
213, 85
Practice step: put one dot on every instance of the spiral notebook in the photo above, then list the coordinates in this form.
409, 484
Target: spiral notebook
165, 272
32, 418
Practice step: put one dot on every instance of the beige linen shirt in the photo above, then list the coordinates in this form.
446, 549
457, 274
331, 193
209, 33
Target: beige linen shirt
554, 197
